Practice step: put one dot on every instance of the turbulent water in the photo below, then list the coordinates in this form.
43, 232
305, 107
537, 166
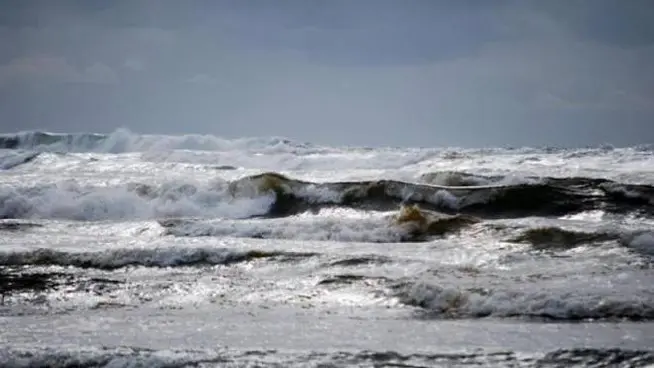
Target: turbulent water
131, 250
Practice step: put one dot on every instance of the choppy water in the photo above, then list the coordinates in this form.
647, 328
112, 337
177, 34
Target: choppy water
129, 250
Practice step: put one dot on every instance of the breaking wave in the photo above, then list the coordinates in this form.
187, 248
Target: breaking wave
275, 195
586, 302
72, 201
464, 179
549, 197
150, 257
410, 224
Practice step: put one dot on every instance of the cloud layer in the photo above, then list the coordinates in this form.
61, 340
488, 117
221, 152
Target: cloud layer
337, 72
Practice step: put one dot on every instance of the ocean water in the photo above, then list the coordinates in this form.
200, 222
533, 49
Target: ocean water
127, 250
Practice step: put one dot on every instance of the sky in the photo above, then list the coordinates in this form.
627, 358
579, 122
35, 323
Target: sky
341, 72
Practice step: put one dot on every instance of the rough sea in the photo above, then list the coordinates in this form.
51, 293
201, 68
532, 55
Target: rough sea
126, 250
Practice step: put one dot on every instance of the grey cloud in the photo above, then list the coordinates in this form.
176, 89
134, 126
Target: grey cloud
202, 79
135, 64
54, 70
340, 72
621, 23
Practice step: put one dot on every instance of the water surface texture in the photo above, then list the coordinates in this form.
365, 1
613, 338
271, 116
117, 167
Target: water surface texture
127, 250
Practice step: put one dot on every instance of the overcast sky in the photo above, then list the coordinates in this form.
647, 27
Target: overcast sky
363, 72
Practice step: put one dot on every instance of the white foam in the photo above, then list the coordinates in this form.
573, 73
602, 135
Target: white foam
319, 228
643, 243
628, 165
105, 357
10, 159
69, 200
570, 299
117, 258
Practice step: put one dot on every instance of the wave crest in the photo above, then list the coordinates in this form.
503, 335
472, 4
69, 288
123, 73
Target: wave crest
550, 196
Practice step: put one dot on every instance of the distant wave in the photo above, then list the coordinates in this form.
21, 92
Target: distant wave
122, 140
36, 139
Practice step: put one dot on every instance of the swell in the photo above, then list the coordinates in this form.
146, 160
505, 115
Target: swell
153, 257
551, 238
556, 238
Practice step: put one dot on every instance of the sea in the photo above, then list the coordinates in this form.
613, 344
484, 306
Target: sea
131, 250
